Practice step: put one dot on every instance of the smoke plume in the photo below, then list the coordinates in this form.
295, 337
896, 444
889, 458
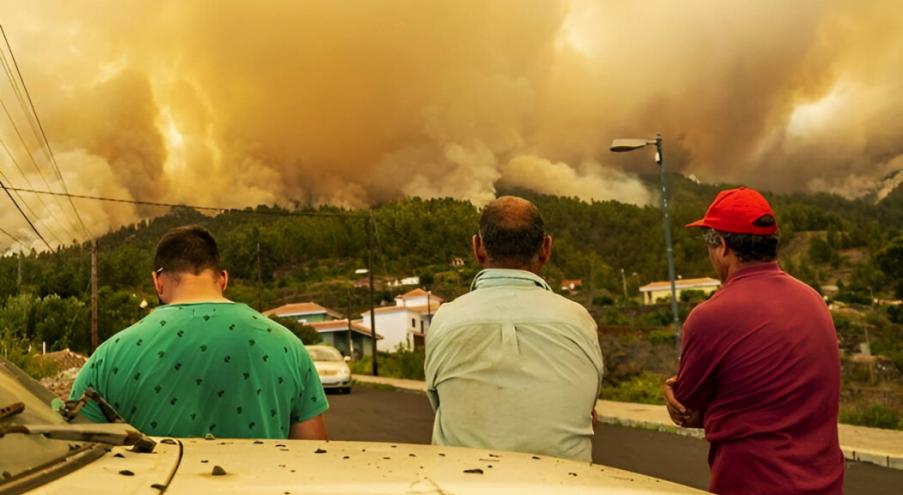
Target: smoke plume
354, 103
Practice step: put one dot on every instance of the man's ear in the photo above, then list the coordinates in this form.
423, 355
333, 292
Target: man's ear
723, 249
223, 280
158, 283
479, 251
545, 252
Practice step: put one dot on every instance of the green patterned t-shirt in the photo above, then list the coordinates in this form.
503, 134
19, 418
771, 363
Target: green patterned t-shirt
187, 370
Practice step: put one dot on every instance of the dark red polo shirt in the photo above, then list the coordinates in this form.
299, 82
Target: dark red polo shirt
761, 360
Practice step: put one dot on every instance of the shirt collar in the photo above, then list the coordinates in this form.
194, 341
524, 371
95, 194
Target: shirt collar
506, 277
752, 271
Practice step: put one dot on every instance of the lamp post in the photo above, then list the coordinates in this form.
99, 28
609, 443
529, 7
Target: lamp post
624, 145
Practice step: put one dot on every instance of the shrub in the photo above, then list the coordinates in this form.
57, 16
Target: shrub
401, 364
875, 416
603, 301
306, 333
645, 388
663, 336
692, 296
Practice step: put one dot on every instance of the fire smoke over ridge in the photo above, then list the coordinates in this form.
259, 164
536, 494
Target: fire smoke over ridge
353, 103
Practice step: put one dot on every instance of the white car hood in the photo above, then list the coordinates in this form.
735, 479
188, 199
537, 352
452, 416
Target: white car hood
337, 468
338, 367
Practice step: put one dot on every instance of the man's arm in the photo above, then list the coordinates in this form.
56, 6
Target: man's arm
687, 395
88, 377
680, 415
312, 429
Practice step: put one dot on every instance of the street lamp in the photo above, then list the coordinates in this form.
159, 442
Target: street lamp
624, 145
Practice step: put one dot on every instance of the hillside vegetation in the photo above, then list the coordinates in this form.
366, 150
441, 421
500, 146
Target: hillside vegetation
853, 248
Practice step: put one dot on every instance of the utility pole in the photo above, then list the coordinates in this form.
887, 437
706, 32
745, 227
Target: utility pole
624, 282
348, 318
259, 279
660, 159
95, 337
370, 228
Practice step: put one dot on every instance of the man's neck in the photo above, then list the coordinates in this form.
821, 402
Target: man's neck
197, 298
509, 266
739, 266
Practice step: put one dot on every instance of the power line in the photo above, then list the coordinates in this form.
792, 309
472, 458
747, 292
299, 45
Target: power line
35, 229
27, 207
194, 207
12, 157
43, 134
14, 238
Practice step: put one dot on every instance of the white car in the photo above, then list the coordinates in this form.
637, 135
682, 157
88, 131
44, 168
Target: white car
41, 452
332, 367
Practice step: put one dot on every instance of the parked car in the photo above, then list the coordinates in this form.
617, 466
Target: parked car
41, 452
332, 367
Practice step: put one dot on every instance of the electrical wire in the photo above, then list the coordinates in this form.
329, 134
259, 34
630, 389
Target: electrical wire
194, 207
3, 177
14, 238
30, 224
67, 231
40, 128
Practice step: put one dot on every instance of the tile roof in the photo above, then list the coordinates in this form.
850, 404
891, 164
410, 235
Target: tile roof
303, 308
686, 283
418, 292
421, 309
342, 326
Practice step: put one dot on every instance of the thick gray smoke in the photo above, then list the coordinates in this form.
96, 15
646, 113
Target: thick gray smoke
236, 104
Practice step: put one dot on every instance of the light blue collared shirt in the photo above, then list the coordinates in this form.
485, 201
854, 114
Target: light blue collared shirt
513, 366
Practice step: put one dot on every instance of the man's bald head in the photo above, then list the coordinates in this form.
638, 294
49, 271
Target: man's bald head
512, 231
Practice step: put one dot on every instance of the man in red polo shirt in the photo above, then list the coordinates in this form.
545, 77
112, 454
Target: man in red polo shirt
760, 367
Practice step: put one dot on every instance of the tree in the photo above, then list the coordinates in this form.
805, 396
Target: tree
890, 261
306, 333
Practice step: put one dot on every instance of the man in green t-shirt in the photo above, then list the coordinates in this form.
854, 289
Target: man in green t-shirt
202, 364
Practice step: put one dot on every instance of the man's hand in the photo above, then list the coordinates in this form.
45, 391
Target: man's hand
679, 413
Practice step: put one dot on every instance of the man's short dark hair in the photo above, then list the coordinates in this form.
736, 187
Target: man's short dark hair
747, 247
189, 249
512, 233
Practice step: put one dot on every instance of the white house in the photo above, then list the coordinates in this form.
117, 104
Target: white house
654, 291
403, 282
404, 325
336, 333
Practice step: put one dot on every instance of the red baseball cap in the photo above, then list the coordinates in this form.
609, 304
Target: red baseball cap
739, 211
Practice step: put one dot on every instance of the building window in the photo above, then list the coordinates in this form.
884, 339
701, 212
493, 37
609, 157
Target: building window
413, 323
421, 326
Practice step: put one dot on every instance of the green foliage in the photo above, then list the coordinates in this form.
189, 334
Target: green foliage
821, 251
665, 336
875, 416
19, 351
692, 296
603, 300
306, 333
645, 388
401, 364
890, 260
895, 314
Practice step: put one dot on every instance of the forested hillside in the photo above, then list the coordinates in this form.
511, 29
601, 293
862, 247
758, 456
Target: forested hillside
853, 248
312, 254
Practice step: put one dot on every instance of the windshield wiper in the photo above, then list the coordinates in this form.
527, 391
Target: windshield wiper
69, 409
11, 410
108, 433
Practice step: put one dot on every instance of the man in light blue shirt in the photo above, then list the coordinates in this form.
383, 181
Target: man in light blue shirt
512, 365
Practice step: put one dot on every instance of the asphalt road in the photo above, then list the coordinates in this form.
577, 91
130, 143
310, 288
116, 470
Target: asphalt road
372, 414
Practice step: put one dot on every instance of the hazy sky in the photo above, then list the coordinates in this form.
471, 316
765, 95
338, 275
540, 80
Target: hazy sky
237, 103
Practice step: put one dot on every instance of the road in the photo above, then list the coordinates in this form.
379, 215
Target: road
372, 414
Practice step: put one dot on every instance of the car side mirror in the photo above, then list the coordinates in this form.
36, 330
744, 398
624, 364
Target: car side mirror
347, 359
